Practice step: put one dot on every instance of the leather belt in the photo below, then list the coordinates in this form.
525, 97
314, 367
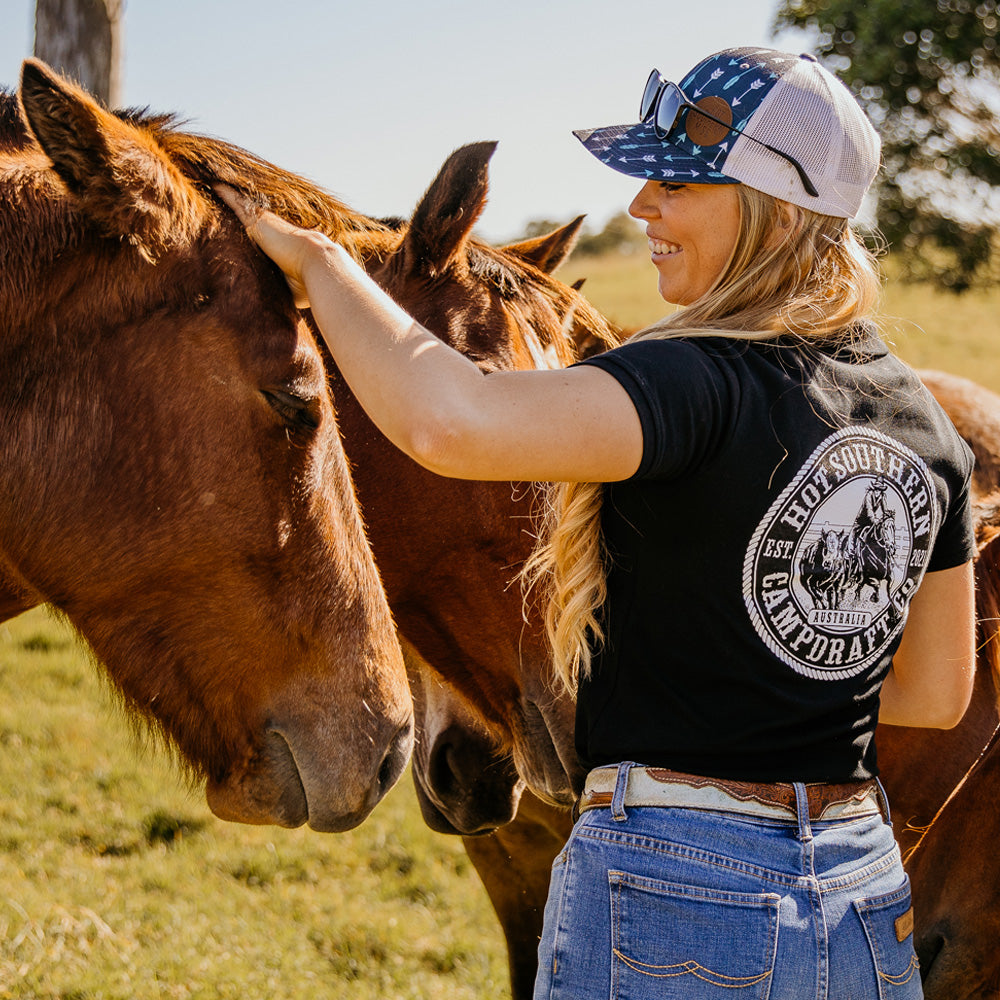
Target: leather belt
656, 786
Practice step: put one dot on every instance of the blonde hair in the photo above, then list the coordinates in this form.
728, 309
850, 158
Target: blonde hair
792, 273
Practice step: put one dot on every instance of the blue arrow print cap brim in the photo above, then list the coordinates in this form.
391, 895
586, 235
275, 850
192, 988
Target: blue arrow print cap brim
634, 150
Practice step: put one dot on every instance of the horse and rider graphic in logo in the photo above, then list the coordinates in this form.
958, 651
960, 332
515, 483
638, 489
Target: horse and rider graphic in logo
830, 569
844, 566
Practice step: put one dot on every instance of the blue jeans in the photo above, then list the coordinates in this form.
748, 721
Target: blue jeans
679, 903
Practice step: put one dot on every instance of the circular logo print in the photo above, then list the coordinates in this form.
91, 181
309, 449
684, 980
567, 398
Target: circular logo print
829, 572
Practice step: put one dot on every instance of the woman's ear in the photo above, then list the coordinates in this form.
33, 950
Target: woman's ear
787, 223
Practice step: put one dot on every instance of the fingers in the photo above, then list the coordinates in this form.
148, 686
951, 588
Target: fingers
283, 242
262, 226
246, 211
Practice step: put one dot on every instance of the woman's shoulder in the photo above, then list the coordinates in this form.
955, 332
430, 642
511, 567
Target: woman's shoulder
673, 363
653, 349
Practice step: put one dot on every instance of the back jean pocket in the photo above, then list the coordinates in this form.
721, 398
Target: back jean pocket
679, 942
888, 923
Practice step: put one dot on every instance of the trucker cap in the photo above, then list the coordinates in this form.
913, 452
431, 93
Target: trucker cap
752, 99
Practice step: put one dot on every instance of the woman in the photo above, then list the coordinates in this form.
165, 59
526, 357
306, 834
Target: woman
753, 490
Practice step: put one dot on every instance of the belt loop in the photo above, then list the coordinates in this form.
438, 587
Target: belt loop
883, 800
618, 813
802, 811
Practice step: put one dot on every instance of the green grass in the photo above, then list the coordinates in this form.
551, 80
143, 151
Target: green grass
116, 882
621, 285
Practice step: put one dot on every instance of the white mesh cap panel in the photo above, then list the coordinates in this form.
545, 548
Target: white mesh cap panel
813, 117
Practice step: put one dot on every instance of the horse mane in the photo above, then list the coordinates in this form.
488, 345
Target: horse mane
207, 160
13, 131
577, 324
370, 240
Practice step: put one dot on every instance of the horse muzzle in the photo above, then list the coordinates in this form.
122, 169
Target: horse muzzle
545, 754
290, 783
464, 785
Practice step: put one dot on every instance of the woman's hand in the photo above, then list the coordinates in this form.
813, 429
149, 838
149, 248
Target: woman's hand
290, 247
430, 400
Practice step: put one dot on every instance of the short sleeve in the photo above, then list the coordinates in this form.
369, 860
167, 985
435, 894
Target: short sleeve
686, 395
956, 543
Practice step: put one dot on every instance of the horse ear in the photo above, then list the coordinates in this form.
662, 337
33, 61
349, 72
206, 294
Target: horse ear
548, 252
120, 178
446, 214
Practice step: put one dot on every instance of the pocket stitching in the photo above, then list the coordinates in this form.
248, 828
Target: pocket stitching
691, 968
903, 977
766, 902
866, 908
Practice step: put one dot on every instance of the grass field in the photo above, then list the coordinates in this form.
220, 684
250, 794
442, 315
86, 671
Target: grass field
116, 882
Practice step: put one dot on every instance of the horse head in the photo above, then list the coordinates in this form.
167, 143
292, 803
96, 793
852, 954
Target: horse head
172, 476
449, 551
465, 784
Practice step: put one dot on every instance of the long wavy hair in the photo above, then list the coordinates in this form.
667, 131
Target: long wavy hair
792, 273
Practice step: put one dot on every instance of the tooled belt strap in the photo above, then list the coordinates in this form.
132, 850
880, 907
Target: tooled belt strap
781, 796
820, 797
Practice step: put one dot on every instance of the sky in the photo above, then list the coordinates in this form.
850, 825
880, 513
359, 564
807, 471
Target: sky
369, 98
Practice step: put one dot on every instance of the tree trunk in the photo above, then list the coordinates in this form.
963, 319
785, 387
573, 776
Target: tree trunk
83, 40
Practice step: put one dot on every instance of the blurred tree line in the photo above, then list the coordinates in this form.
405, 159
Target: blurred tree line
928, 74
621, 234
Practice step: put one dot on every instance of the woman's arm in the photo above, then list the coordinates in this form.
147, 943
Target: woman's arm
432, 402
930, 682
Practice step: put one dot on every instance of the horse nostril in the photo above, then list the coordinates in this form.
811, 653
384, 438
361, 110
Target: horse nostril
385, 772
444, 778
394, 761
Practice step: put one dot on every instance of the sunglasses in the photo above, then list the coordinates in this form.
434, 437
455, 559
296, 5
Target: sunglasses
663, 102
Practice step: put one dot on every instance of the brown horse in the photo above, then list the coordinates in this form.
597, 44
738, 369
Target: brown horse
449, 551
957, 888
447, 577
171, 476
920, 768
957, 892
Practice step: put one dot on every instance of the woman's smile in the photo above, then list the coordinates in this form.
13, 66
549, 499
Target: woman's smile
692, 230
660, 248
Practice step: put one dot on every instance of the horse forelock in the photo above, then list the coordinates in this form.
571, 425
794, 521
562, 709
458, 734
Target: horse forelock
13, 132
546, 310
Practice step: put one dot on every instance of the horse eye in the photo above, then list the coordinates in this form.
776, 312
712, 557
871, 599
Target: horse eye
293, 409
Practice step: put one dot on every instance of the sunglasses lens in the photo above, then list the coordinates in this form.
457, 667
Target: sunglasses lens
649, 94
667, 110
